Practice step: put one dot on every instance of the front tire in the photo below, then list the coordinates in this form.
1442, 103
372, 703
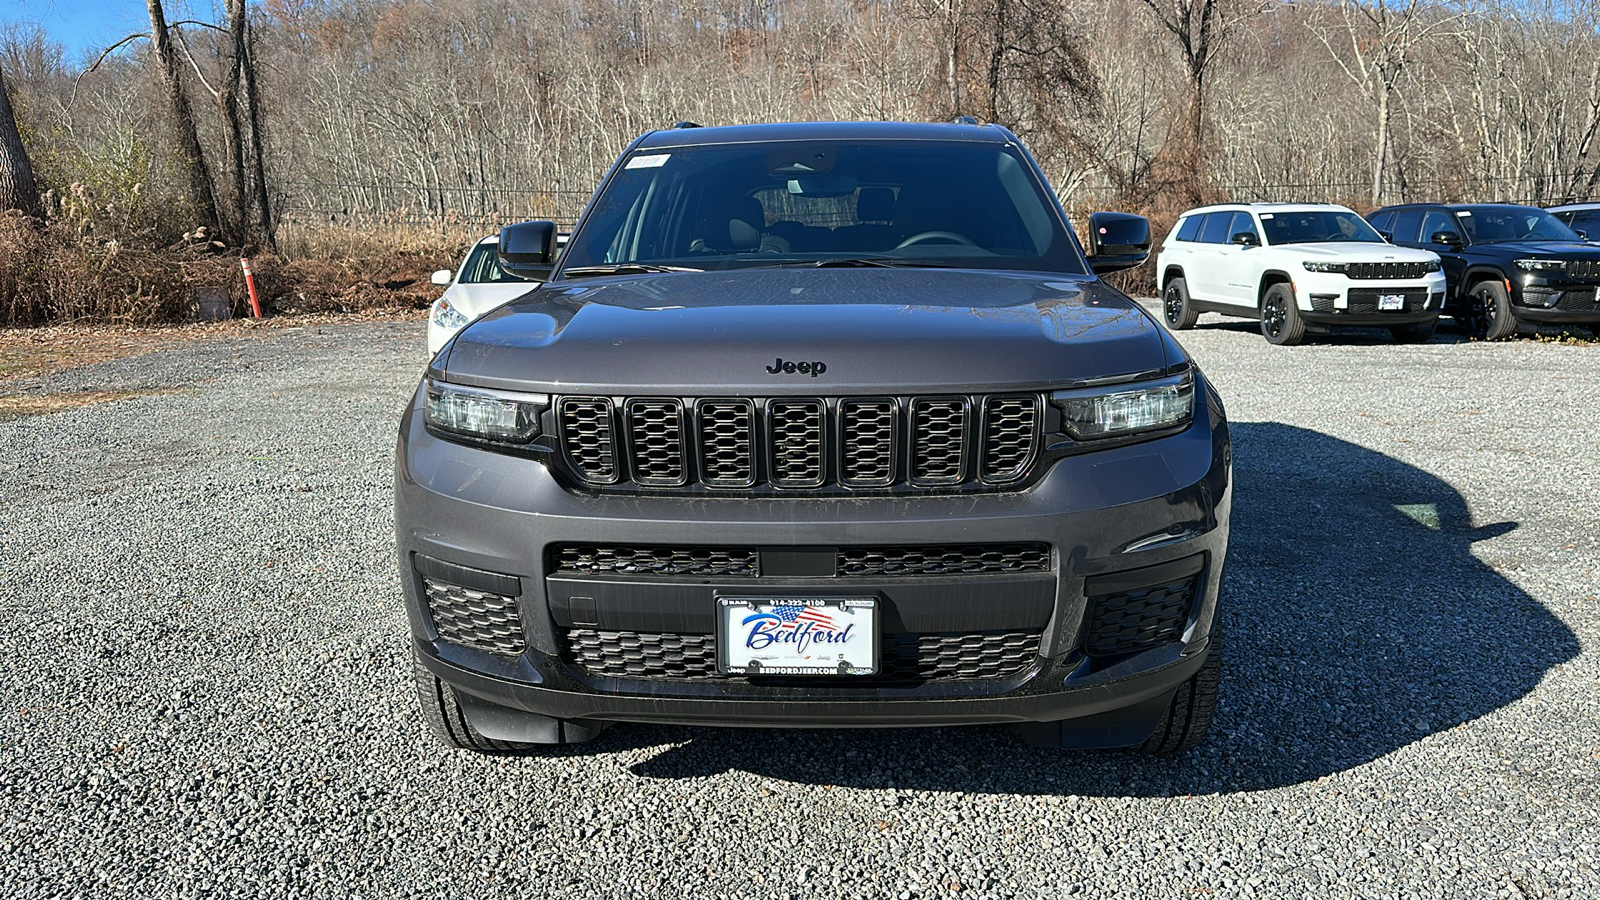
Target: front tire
1489, 315
442, 711
1188, 719
1280, 318
1417, 333
1177, 307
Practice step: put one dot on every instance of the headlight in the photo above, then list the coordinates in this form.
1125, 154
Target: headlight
1090, 413
1541, 265
1432, 265
447, 316
479, 413
1312, 266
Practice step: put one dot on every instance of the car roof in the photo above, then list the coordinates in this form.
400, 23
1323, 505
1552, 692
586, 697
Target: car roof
491, 239
1454, 206
1573, 207
1269, 207
841, 131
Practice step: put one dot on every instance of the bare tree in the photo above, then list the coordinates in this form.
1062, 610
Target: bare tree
191, 159
17, 188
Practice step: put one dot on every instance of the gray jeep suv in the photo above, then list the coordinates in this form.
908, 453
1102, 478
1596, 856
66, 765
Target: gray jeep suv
827, 424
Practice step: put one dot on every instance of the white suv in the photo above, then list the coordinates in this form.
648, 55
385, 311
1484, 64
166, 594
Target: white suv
1296, 267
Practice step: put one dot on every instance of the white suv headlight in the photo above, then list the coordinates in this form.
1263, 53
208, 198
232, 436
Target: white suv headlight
1116, 410
486, 414
1313, 266
447, 316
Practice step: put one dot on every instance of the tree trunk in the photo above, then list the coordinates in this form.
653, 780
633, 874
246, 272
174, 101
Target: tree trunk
265, 233
190, 158
17, 188
1380, 155
236, 212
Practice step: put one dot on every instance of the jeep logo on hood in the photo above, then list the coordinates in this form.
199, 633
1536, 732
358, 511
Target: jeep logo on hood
803, 368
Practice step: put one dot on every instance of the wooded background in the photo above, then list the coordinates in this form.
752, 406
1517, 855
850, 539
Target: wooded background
356, 128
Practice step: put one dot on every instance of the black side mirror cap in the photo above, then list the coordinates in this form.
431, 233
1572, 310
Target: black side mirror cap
1247, 239
528, 249
1117, 241
1387, 236
1447, 237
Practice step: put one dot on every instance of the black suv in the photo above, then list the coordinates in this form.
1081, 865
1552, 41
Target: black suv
826, 424
1506, 266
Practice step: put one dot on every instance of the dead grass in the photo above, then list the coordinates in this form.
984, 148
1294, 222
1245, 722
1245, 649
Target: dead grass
20, 406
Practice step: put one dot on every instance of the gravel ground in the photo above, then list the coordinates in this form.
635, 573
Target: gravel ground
1409, 703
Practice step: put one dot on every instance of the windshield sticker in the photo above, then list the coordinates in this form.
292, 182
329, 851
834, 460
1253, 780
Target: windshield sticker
1266, 215
1463, 212
652, 161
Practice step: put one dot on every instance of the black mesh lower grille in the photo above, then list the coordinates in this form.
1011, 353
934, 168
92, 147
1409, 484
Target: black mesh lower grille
1364, 301
1130, 621
474, 618
853, 562
906, 658
1578, 301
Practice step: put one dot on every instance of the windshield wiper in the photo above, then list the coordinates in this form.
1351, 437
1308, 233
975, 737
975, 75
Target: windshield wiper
624, 269
854, 262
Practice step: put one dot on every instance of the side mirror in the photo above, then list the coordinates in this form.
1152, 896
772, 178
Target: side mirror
443, 277
1388, 236
1117, 241
1247, 239
1447, 237
1582, 235
528, 249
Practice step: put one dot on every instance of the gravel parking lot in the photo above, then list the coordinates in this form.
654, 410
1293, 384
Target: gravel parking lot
205, 689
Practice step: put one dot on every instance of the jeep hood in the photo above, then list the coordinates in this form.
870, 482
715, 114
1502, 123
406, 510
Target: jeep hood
1540, 249
1357, 251
874, 330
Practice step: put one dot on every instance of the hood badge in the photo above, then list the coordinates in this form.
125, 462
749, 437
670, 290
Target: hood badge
791, 368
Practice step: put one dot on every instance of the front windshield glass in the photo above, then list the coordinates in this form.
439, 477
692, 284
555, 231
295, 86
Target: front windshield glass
1499, 224
483, 267
972, 205
1317, 226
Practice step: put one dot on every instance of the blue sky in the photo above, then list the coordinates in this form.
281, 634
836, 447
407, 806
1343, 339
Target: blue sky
89, 26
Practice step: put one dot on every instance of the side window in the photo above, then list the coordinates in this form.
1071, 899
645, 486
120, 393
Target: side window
1243, 223
1189, 228
1380, 222
1434, 222
1406, 223
1586, 221
1215, 230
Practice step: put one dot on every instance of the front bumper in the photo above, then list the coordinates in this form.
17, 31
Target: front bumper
1143, 508
1328, 298
1556, 300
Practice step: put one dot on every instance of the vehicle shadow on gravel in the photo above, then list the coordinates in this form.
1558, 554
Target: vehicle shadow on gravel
1448, 333
1358, 621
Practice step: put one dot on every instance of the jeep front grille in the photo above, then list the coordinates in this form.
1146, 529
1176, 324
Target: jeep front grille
1364, 301
1583, 268
799, 444
1372, 271
904, 658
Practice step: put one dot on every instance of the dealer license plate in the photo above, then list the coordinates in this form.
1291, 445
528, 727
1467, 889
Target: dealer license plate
797, 635
1391, 301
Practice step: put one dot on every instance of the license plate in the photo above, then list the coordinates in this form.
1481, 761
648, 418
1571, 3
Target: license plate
797, 635
1391, 301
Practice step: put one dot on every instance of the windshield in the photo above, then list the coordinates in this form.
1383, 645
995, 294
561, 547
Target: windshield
1499, 224
483, 267
1317, 226
973, 205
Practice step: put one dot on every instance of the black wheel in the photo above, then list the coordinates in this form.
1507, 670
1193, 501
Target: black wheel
443, 714
1188, 719
1418, 333
1489, 315
1280, 318
1180, 312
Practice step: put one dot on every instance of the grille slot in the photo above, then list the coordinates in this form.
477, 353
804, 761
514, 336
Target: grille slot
727, 443
931, 560
474, 618
1010, 432
655, 430
1134, 620
904, 657
939, 440
1583, 268
867, 442
795, 427
586, 436
1372, 271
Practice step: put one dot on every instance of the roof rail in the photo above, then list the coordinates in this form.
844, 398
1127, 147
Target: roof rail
964, 120
686, 124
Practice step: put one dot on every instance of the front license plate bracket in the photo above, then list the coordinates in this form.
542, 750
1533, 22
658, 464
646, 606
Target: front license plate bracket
798, 636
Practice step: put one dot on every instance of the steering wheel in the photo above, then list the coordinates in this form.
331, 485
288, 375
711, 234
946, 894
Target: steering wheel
949, 236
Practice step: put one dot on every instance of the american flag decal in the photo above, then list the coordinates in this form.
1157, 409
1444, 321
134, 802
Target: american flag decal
792, 616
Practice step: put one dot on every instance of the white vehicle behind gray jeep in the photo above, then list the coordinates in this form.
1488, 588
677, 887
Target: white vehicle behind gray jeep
1298, 268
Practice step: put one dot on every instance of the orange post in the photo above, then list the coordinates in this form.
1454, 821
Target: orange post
250, 282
